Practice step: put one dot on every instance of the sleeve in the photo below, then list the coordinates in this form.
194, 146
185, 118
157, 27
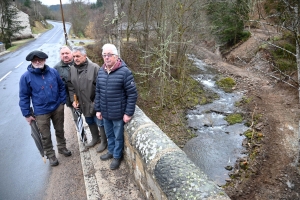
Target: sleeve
97, 107
131, 93
24, 96
96, 70
70, 86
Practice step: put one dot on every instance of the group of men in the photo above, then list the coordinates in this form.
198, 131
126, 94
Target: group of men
106, 95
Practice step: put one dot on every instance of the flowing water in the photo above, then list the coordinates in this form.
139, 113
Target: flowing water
217, 144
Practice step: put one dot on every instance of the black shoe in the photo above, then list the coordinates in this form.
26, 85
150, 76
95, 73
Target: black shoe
53, 161
115, 164
106, 156
64, 151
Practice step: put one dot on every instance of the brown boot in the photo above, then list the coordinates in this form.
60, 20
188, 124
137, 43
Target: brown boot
103, 143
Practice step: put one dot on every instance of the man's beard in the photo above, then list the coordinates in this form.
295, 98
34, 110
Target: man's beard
39, 65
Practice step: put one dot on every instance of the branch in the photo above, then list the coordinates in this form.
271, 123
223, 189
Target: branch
252, 123
275, 78
285, 75
275, 45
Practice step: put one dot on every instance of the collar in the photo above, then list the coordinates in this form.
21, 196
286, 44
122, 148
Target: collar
114, 67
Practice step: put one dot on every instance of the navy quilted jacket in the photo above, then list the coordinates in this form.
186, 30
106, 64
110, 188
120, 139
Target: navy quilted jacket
116, 93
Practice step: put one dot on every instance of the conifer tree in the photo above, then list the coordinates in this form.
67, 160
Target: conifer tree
9, 25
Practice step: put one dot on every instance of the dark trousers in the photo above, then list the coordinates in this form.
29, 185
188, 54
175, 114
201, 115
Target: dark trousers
43, 122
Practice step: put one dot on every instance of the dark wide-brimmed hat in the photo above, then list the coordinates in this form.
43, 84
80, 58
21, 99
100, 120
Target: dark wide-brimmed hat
38, 54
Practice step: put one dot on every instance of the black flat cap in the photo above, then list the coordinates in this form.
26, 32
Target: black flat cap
38, 54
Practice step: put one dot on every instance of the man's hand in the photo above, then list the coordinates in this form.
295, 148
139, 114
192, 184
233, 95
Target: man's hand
98, 115
75, 105
126, 118
29, 119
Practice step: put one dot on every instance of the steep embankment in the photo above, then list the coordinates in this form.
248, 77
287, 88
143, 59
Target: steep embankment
271, 170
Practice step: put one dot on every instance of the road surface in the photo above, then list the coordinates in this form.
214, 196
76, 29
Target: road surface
23, 174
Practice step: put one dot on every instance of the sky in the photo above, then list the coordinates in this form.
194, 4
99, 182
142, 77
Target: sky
54, 2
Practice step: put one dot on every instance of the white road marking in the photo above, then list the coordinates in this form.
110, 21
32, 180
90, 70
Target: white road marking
19, 65
5, 76
52, 36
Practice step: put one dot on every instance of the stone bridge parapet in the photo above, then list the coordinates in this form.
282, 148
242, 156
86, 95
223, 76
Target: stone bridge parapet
161, 169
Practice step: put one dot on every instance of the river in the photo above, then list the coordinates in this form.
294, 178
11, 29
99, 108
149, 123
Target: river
218, 145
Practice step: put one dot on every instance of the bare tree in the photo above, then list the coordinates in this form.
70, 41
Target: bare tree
287, 16
78, 15
117, 23
292, 24
164, 31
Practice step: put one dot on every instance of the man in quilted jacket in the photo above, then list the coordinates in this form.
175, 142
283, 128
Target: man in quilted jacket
115, 101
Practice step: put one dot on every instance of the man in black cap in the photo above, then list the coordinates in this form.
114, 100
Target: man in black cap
43, 87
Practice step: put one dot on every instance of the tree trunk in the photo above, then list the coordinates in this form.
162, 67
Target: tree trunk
297, 46
117, 23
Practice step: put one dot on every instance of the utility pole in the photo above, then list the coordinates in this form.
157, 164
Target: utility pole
63, 19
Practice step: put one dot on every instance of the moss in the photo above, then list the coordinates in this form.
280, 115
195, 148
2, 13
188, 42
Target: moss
276, 38
257, 117
263, 46
226, 84
283, 60
253, 154
244, 164
243, 101
286, 65
234, 118
248, 134
245, 35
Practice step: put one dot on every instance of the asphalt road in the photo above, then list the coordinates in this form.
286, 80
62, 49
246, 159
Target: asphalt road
23, 174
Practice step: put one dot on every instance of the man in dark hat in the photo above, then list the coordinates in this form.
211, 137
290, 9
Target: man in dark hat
43, 87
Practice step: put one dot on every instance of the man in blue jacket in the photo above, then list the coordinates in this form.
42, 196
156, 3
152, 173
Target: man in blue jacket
43, 87
115, 101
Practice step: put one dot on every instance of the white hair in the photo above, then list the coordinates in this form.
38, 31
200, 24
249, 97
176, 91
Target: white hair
110, 47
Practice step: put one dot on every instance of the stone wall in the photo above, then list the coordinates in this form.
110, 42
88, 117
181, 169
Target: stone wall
161, 169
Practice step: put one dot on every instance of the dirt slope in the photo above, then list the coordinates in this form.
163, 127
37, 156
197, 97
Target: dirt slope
271, 170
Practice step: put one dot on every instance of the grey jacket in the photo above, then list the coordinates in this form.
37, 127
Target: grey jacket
82, 82
64, 73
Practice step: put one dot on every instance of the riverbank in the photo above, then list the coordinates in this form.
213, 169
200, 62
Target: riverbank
271, 169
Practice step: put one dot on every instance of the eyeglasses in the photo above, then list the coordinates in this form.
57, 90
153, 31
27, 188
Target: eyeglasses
38, 60
107, 55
